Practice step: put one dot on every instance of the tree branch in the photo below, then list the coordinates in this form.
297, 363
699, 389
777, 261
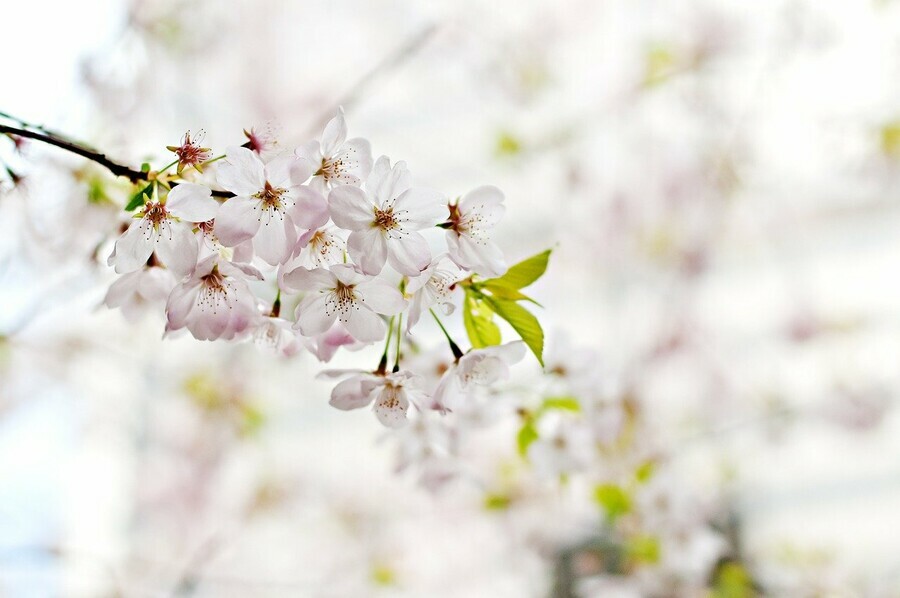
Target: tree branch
36, 133
101, 159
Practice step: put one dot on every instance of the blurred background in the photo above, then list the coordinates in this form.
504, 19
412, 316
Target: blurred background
719, 182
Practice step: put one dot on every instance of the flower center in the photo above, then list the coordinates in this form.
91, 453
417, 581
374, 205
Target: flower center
214, 291
341, 300
271, 197
384, 219
330, 168
156, 213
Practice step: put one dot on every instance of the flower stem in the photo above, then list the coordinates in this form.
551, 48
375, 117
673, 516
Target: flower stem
382, 364
399, 336
453, 346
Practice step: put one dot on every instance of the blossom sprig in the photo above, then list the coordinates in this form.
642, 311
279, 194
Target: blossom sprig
322, 249
355, 243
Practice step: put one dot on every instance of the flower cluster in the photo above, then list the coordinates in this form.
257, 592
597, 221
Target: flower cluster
358, 248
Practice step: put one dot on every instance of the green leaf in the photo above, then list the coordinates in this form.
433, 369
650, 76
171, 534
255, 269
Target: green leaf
479, 321
614, 500
524, 273
523, 322
137, 200
527, 434
497, 502
563, 403
733, 581
504, 292
643, 549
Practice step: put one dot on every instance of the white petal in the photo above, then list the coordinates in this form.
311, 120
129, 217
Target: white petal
349, 395
180, 304
310, 209
242, 172
238, 220
303, 279
123, 289
356, 158
410, 254
274, 240
416, 307
369, 249
390, 185
134, 247
310, 151
178, 248
312, 317
423, 208
278, 171
350, 208
334, 135
192, 202
487, 201
365, 325
381, 297
391, 406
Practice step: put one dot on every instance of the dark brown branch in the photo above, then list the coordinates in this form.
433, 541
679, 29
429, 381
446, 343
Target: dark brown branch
55, 140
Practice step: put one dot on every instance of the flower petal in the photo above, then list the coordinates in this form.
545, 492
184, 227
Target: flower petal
350, 208
242, 172
304, 279
310, 208
365, 325
178, 248
274, 240
350, 394
369, 249
192, 202
134, 247
390, 407
312, 315
238, 220
334, 135
381, 297
423, 208
409, 255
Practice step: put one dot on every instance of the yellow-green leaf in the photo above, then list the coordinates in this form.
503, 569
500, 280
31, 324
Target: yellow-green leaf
614, 500
523, 322
524, 273
527, 434
563, 403
479, 322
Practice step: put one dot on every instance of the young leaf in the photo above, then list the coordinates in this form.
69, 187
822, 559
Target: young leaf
137, 200
523, 322
504, 292
527, 434
524, 273
614, 500
479, 321
564, 403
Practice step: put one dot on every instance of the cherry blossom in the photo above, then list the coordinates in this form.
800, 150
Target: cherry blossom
337, 160
269, 204
325, 345
189, 153
166, 228
135, 291
391, 394
479, 367
434, 286
342, 293
277, 335
385, 219
215, 301
468, 231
